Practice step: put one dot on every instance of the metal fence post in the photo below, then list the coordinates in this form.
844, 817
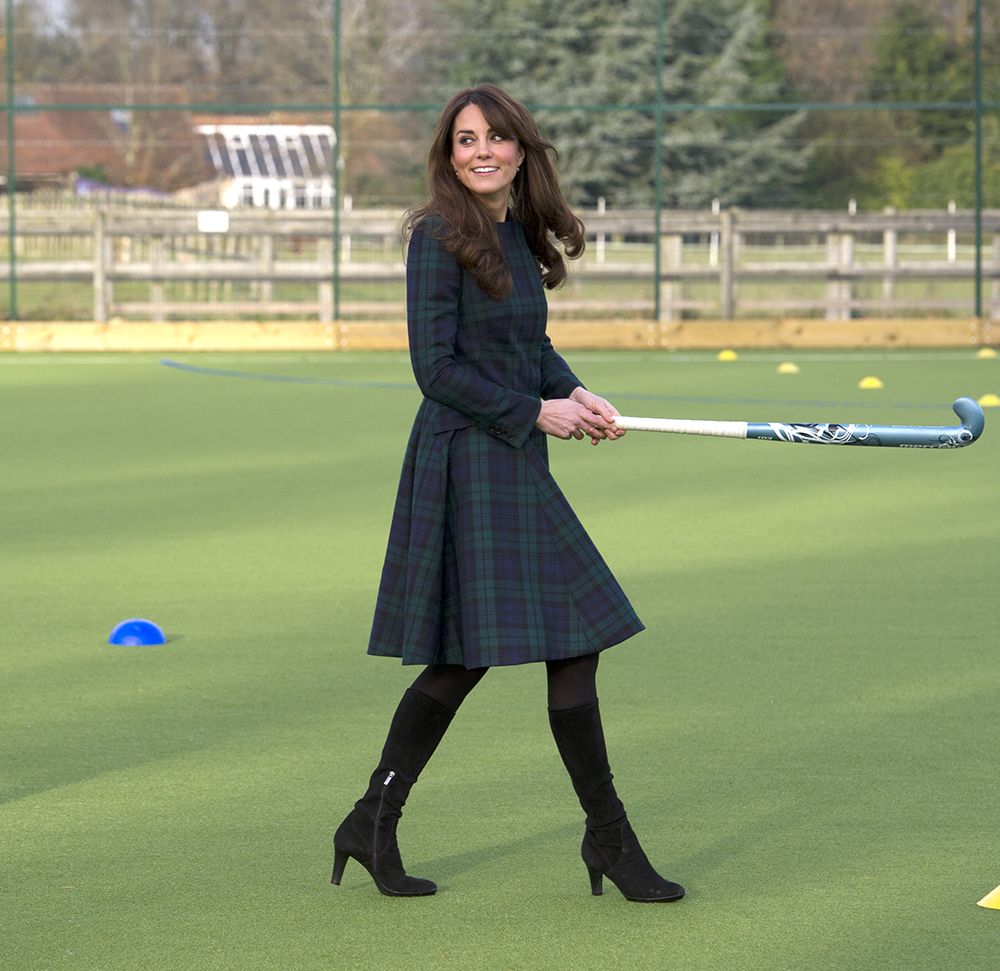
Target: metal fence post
979, 157
336, 159
995, 282
658, 156
11, 167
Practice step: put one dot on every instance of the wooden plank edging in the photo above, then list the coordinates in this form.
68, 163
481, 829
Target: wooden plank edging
570, 335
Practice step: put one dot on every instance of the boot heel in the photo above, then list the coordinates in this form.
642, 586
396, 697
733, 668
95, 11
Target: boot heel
340, 858
596, 881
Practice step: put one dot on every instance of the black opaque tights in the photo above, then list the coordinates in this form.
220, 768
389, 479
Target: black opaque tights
448, 684
572, 683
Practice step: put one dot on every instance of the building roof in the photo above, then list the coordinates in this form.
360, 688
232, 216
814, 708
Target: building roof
51, 144
252, 151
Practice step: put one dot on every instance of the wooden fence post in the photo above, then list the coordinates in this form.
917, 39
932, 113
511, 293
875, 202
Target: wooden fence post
214, 249
890, 257
727, 271
324, 257
150, 250
832, 286
100, 271
602, 208
670, 290
846, 262
267, 258
156, 280
839, 256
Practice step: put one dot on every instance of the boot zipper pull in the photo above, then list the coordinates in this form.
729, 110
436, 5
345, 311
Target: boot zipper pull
378, 816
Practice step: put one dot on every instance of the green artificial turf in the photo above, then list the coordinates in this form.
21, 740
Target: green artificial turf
805, 735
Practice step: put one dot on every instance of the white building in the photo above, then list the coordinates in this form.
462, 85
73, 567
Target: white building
273, 166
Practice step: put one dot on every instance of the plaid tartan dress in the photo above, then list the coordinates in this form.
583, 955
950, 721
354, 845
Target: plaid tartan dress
487, 563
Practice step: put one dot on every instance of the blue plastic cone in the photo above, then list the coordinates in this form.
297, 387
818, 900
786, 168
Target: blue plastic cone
137, 632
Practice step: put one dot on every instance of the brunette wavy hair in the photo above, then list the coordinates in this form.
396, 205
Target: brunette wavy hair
457, 218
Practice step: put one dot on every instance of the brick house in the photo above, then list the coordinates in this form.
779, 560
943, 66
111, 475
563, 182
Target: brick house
159, 149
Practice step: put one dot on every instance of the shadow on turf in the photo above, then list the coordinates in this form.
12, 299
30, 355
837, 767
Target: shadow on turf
63, 745
536, 847
443, 868
740, 862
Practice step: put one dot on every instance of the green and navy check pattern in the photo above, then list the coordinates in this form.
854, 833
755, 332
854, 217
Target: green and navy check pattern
487, 563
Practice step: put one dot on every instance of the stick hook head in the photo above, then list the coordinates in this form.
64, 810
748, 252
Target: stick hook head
972, 419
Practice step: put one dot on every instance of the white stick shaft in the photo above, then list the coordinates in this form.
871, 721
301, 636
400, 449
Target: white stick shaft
683, 426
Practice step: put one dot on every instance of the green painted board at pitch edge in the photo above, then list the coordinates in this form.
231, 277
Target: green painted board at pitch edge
803, 736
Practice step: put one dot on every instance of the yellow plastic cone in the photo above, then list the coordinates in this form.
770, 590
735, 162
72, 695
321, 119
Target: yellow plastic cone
726, 355
870, 383
986, 352
989, 401
991, 900
789, 367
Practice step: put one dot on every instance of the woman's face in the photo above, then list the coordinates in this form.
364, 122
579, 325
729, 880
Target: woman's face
484, 161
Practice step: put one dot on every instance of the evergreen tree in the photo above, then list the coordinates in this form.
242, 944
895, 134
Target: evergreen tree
919, 60
922, 57
603, 53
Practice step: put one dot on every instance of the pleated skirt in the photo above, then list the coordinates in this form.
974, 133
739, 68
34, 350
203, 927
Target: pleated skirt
487, 564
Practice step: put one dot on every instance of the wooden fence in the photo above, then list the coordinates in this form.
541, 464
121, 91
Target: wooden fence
155, 264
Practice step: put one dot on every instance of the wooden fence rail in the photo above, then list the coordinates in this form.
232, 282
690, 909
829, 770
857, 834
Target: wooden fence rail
815, 263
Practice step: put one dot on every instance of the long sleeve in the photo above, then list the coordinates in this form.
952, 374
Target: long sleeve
487, 563
558, 381
434, 283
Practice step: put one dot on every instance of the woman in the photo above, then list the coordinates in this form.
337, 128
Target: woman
487, 563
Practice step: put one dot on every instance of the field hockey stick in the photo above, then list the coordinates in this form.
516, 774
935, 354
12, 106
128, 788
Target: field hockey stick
898, 436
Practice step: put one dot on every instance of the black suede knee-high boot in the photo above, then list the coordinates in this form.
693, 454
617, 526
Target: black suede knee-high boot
369, 832
610, 848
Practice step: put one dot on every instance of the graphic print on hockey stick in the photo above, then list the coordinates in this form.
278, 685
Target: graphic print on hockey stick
893, 436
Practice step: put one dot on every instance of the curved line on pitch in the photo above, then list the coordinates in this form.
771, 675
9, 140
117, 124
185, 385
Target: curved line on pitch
674, 398
284, 378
